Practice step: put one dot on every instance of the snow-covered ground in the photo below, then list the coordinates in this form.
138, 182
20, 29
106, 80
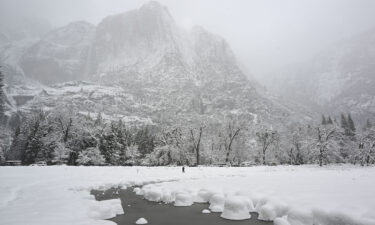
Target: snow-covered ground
304, 195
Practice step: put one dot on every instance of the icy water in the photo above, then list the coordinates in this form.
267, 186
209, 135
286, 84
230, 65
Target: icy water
165, 214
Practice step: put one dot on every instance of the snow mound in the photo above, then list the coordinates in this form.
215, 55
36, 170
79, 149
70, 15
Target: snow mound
105, 209
270, 210
138, 191
217, 203
206, 211
183, 199
235, 208
267, 213
141, 221
203, 196
249, 203
168, 196
153, 195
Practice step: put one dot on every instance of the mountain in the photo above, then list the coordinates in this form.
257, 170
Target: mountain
17, 35
61, 55
339, 79
141, 67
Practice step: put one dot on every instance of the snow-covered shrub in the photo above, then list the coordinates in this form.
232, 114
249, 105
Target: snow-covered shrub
90, 156
61, 154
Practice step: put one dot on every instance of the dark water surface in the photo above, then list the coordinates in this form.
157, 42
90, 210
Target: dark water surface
165, 214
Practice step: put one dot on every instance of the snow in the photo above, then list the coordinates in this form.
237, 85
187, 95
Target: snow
217, 203
153, 195
138, 191
235, 208
183, 199
281, 221
206, 211
295, 195
141, 221
203, 196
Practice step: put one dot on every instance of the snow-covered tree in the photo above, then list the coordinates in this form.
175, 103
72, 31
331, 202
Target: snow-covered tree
265, 139
351, 125
324, 121
324, 141
365, 153
90, 157
61, 154
329, 121
298, 143
195, 137
344, 124
132, 155
229, 135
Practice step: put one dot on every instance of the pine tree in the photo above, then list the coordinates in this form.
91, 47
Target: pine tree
368, 125
351, 125
324, 121
329, 121
344, 124
34, 143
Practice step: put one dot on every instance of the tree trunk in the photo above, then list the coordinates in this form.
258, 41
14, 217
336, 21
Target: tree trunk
321, 157
198, 156
264, 156
227, 157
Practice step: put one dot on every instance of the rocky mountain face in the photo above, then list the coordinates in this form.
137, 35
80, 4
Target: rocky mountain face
140, 66
339, 79
61, 55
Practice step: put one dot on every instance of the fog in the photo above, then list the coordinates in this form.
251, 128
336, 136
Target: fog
264, 34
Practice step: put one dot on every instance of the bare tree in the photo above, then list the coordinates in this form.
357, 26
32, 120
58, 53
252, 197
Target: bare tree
196, 140
231, 132
266, 138
296, 139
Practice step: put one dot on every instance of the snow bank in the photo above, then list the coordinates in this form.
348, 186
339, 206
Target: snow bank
217, 203
292, 195
183, 199
105, 209
154, 195
203, 196
235, 208
269, 210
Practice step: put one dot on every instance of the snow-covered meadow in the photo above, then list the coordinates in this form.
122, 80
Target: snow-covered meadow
297, 195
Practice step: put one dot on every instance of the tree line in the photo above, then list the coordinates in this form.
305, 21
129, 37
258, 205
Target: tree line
61, 136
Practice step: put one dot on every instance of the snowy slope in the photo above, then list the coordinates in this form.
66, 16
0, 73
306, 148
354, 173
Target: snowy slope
302, 195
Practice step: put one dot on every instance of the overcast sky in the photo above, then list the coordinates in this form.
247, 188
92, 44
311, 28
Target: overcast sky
264, 34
